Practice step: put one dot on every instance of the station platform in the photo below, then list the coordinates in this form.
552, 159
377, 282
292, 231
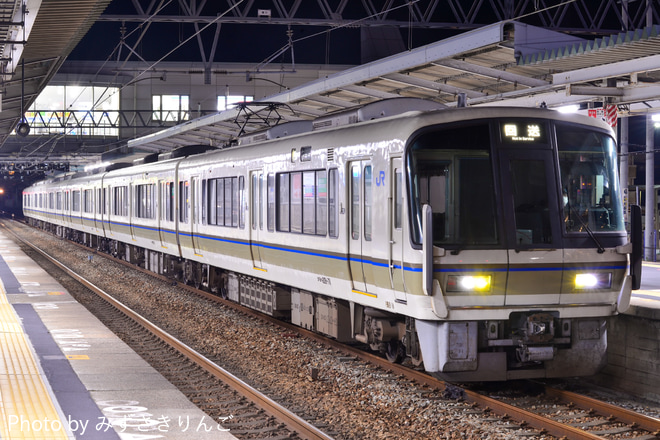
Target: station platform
64, 375
646, 301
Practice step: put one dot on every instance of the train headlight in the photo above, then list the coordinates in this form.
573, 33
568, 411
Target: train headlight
589, 281
469, 283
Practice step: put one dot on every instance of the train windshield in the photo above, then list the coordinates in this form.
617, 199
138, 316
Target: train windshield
590, 196
450, 170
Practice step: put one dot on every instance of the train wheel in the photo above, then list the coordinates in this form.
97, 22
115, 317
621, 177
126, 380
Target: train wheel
417, 360
192, 273
394, 351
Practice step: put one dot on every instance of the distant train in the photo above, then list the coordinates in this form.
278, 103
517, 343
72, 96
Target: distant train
487, 243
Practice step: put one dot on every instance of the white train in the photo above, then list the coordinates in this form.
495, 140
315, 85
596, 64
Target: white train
487, 243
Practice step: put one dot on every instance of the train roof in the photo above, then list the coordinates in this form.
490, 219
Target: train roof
408, 112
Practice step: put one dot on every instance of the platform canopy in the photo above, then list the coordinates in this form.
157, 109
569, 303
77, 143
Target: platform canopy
507, 63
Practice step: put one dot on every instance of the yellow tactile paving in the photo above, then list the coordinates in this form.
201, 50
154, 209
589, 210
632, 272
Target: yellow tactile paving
26, 408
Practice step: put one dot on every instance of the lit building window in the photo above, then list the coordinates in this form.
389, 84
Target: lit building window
75, 110
228, 102
171, 108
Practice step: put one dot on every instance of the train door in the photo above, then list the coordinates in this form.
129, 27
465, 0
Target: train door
395, 226
195, 213
360, 224
256, 216
132, 209
533, 230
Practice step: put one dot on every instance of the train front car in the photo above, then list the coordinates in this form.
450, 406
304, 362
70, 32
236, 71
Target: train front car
526, 252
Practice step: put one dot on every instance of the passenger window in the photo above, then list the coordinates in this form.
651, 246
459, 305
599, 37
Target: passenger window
296, 202
283, 203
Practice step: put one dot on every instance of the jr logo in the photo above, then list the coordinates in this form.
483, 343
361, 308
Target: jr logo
380, 180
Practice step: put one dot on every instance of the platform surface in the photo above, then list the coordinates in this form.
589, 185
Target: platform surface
64, 375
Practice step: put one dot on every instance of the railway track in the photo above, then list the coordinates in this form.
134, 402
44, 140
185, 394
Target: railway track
212, 388
544, 412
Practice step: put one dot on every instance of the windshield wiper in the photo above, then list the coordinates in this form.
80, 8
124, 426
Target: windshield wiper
601, 249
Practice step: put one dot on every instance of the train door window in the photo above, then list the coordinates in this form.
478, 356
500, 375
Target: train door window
333, 210
184, 201
240, 201
205, 202
67, 201
254, 201
530, 198
367, 202
58, 201
296, 202
283, 202
100, 201
271, 202
321, 202
398, 199
309, 202
171, 202
355, 202
260, 203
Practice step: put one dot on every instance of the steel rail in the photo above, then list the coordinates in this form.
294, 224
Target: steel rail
290, 419
606, 409
524, 417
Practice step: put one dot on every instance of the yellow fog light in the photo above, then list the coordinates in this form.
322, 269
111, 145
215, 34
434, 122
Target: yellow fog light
469, 283
585, 281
